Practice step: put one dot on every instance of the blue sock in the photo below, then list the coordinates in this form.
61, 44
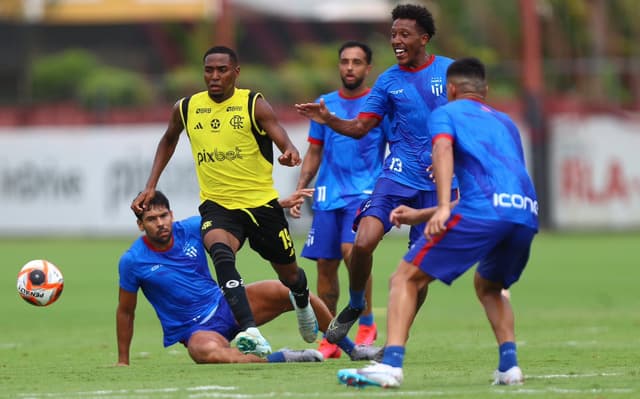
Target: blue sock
366, 320
393, 356
347, 345
276, 357
356, 300
508, 356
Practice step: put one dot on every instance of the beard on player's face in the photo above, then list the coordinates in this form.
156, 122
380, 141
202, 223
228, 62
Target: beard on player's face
353, 84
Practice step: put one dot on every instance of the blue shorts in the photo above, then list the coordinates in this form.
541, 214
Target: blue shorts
387, 195
222, 321
501, 248
329, 230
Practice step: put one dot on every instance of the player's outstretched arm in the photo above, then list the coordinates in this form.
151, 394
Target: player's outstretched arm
318, 112
164, 152
297, 198
125, 314
406, 215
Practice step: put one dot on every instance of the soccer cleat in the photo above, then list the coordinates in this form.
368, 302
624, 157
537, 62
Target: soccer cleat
366, 334
252, 342
513, 376
341, 324
366, 352
304, 355
307, 323
329, 350
376, 374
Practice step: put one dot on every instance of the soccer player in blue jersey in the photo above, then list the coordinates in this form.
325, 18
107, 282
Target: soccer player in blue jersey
406, 94
169, 264
493, 224
346, 170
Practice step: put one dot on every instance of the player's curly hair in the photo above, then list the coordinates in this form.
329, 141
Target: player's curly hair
420, 14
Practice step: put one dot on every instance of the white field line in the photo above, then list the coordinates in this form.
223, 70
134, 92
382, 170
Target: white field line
215, 391
554, 376
219, 391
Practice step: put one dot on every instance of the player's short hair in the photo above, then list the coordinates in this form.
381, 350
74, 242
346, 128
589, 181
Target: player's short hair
222, 50
354, 43
468, 67
160, 200
420, 14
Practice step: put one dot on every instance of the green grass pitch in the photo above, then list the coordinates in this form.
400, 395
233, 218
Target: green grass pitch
577, 322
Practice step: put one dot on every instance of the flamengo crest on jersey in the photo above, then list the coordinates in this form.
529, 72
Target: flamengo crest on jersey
232, 155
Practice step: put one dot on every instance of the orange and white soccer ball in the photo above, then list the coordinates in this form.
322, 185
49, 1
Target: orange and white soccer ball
40, 282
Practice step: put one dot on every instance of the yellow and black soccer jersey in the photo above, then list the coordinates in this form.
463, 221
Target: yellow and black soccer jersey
233, 156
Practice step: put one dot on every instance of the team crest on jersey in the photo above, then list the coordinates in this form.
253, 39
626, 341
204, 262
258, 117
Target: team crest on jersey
215, 124
237, 122
437, 86
190, 250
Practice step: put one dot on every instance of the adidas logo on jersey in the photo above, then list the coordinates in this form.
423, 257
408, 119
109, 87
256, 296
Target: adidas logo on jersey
198, 126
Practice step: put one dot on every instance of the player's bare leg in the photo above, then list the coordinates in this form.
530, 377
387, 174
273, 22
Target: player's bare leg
408, 286
500, 314
211, 347
328, 288
497, 307
370, 232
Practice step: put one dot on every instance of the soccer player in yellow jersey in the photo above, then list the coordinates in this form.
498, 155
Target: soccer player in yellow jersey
232, 132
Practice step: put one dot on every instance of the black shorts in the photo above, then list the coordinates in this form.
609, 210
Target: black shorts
265, 227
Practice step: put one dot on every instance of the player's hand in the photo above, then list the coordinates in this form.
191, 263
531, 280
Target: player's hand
403, 215
317, 112
295, 211
438, 222
295, 200
291, 157
141, 202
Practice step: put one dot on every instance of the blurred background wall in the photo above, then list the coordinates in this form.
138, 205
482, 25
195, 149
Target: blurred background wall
87, 86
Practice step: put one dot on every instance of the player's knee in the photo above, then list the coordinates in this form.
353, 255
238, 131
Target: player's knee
221, 254
363, 246
293, 278
485, 288
398, 278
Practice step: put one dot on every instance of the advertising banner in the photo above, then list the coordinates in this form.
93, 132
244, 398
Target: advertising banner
595, 172
81, 180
